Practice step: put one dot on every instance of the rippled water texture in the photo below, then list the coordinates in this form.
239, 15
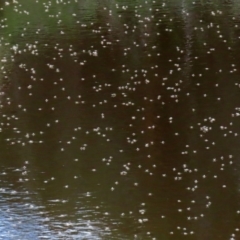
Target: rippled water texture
119, 120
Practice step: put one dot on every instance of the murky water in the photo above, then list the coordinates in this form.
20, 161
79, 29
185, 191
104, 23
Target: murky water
120, 120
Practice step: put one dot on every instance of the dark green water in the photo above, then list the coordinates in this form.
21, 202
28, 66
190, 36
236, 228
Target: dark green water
119, 120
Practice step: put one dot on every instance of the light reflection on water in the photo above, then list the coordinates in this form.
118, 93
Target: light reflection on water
24, 216
119, 120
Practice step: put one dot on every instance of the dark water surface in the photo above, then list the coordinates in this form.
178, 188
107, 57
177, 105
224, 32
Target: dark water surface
120, 120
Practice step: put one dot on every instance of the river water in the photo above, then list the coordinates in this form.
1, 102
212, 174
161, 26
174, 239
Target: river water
119, 120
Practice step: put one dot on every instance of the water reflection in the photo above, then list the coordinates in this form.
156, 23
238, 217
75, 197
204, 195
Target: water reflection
25, 214
119, 120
